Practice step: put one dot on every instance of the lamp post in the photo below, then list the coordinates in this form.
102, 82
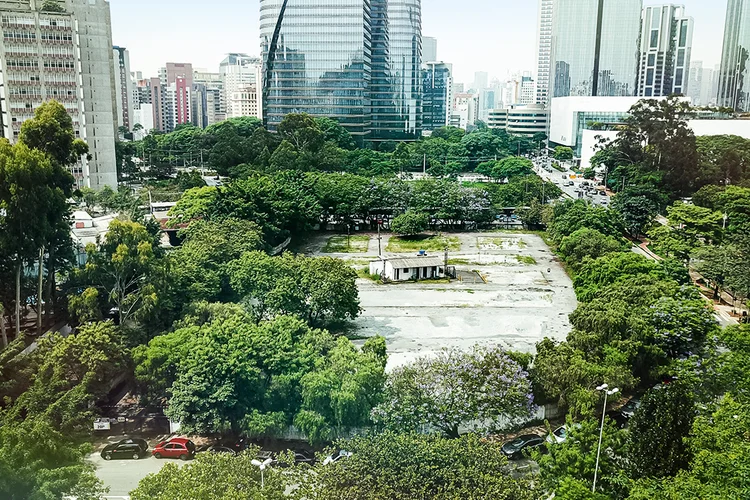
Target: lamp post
604, 388
262, 466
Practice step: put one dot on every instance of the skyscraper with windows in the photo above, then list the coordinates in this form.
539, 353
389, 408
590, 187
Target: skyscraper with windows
317, 59
734, 76
666, 45
356, 61
62, 50
123, 87
544, 50
594, 48
437, 98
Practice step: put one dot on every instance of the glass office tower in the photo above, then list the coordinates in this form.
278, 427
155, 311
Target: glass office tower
437, 84
317, 59
595, 47
734, 78
397, 62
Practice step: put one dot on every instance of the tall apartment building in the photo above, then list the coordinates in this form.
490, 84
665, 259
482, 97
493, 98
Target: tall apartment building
595, 47
703, 84
666, 45
61, 50
361, 66
170, 96
734, 76
123, 87
143, 109
207, 99
544, 51
437, 97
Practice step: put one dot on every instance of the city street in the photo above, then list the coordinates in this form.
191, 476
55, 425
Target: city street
556, 177
122, 476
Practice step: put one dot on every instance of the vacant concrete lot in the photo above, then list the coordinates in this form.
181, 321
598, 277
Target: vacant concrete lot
521, 303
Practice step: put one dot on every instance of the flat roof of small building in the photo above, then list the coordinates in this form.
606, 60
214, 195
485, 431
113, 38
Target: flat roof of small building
408, 262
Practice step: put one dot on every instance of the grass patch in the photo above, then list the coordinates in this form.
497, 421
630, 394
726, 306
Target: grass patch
364, 273
526, 259
437, 243
459, 262
356, 243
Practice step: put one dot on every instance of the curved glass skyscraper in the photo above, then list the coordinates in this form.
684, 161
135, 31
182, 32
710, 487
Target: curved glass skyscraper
397, 70
595, 47
316, 60
356, 61
734, 79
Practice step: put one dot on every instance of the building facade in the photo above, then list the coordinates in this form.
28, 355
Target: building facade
429, 49
437, 97
734, 76
238, 71
63, 54
595, 47
246, 102
317, 64
396, 83
123, 87
359, 64
544, 51
520, 120
171, 96
207, 99
666, 46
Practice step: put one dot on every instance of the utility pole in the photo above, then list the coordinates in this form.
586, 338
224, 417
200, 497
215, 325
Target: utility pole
380, 221
424, 164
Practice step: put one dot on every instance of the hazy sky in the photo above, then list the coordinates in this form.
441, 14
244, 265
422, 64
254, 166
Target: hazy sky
497, 36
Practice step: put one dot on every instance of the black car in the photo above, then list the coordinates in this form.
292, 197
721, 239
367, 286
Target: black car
127, 448
516, 448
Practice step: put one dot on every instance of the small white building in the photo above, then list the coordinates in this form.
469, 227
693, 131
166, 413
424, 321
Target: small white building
408, 268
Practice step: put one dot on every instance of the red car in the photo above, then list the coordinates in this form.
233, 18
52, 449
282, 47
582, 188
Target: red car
181, 448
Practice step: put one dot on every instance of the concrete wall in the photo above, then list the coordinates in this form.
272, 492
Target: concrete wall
97, 73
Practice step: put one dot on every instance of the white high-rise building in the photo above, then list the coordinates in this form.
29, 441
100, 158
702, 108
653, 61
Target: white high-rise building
246, 102
123, 87
62, 53
544, 51
208, 105
481, 80
666, 45
429, 49
238, 72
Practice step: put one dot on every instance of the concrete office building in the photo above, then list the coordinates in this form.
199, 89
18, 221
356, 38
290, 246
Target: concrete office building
246, 102
734, 77
595, 47
464, 112
123, 87
703, 84
429, 49
66, 55
520, 120
437, 97
238, 71
544, 51
666, 45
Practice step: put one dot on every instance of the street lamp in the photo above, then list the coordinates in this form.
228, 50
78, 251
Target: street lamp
604, 388
262, 466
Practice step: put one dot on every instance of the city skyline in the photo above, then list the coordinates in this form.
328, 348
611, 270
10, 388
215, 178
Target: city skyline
235, 28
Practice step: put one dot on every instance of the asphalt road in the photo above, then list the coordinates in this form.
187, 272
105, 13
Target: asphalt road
122, 476
557, 177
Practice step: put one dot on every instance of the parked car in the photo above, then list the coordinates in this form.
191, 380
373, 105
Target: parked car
127, 448
559, 435
516, 448
623, 415
337, 456
181, 448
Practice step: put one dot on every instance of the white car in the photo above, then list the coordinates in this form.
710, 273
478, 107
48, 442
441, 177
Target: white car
560, 434
337, 456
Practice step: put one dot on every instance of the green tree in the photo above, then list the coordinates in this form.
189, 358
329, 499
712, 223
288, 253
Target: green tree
563, 153
127, 268
610, 268
214, 476
574, 460
38, 462
407, 466
335, 133
586, 244
410, 223
196, 203
656, 438
455, 388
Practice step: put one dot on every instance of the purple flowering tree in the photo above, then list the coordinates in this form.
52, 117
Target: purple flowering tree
454, 388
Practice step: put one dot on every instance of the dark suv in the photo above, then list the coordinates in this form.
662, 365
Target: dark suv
127, 448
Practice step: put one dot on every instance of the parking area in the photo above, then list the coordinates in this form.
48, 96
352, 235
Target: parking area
527, 296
